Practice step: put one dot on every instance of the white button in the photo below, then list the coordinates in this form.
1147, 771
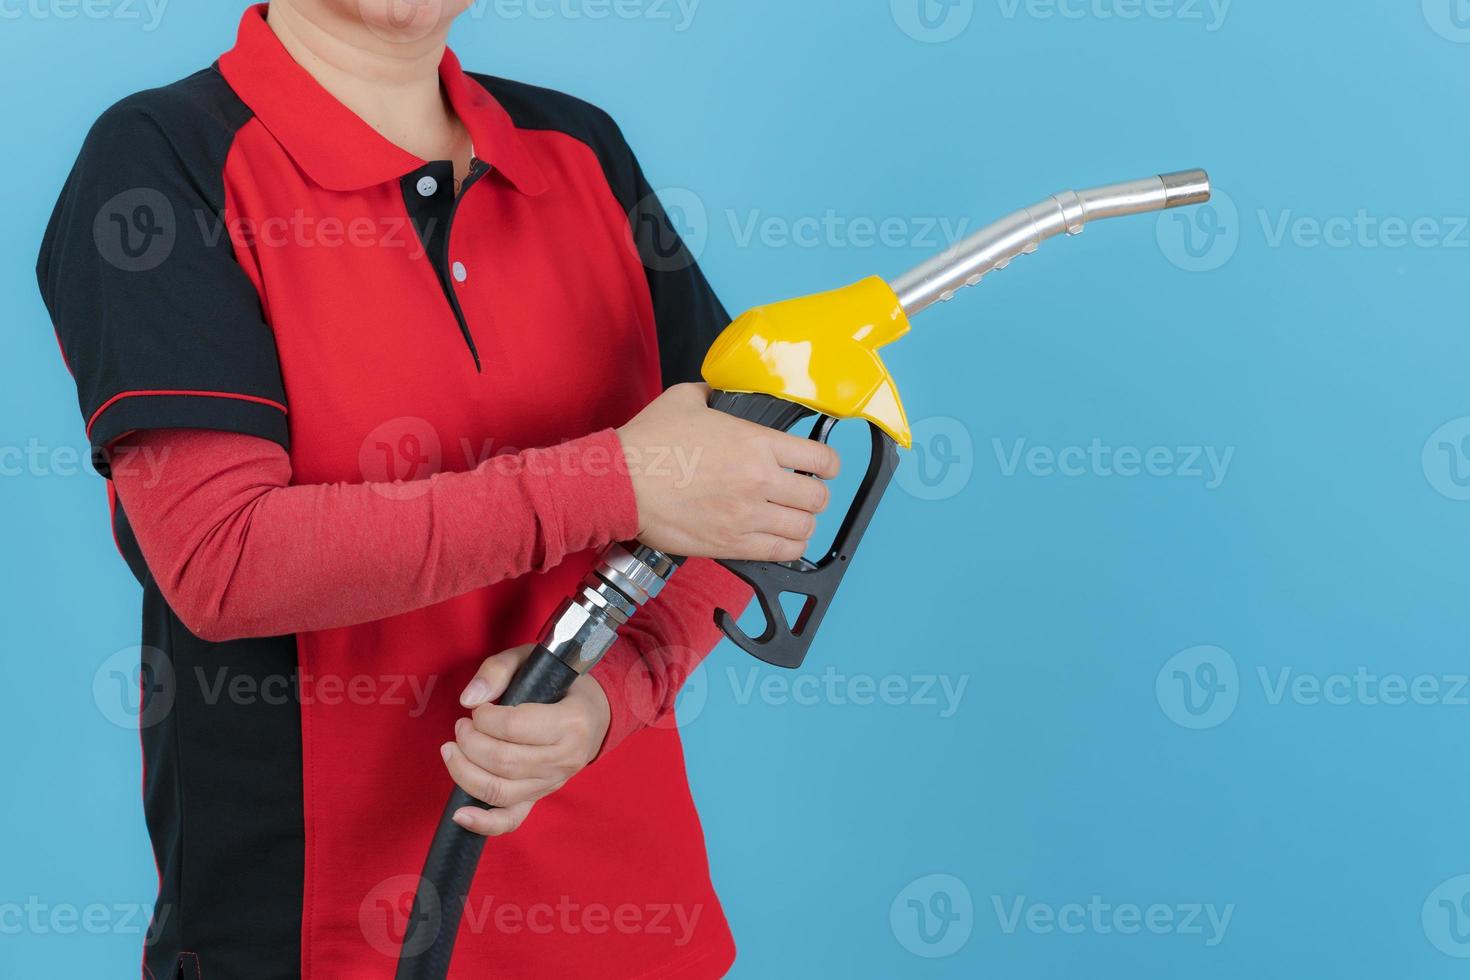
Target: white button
460, 274
427, 186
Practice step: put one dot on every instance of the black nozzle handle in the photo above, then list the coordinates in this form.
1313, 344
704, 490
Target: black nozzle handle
444, 886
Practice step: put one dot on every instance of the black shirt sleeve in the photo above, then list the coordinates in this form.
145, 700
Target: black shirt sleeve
159, 324
688, 313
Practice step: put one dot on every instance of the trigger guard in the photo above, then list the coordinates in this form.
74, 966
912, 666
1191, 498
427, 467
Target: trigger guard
782, 644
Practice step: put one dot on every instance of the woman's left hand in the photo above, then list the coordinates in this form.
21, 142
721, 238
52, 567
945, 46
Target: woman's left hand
512, 757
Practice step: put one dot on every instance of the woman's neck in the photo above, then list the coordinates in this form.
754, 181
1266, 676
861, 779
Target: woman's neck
392, 85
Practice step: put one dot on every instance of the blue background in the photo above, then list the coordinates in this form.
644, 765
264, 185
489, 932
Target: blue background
1075, 765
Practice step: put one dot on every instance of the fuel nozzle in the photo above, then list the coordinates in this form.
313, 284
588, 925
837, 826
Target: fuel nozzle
1021, 233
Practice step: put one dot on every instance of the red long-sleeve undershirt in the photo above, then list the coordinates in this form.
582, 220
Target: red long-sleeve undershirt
239, 551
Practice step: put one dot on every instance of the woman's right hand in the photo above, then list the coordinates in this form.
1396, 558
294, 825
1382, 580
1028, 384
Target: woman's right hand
709, 485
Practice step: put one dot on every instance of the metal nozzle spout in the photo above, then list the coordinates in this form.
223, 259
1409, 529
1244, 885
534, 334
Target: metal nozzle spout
1021, 233
1185, 187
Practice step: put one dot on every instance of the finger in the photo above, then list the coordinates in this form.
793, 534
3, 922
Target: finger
507, 759
492, 823
785, 522
525, 724
769, 547
494, 676
801, 492
806, 455
487, 787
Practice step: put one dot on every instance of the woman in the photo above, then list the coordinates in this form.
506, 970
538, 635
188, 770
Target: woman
332, 288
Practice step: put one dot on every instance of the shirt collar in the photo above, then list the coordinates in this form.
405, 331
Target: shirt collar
335, 147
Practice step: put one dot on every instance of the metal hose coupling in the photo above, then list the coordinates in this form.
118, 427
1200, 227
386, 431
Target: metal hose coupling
624, 579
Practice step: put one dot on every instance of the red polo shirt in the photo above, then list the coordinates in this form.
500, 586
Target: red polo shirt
239, 251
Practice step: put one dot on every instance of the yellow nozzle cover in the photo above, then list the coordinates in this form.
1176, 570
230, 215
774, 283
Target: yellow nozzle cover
820, 351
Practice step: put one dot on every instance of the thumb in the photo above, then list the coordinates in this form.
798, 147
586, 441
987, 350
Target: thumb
494, 676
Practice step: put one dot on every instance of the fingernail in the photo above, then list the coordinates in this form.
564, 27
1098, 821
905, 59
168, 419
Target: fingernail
462, 818
446, 750
475, 694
